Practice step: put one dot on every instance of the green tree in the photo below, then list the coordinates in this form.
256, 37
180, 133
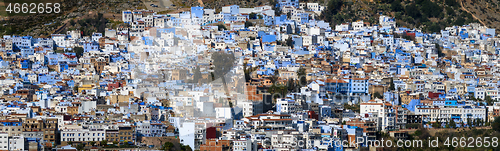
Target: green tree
80, 146
413, 11
275, 77
277, 11
289, 42
439, 50
252, 16
78, 51
450, 11
75, 89
451, 2
495, 125
396, 6
488, 100
104, 142
168, 146
453, 124
291, 85
469, 122
435, 125
333, 7
221, 27
434, 28
92, 143
248, 24
301, 73
377, 95
186, 148
196, 75
278, 89
248, 70
391, 85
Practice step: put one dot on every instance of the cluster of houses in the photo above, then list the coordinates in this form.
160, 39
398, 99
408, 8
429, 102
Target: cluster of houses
295, 81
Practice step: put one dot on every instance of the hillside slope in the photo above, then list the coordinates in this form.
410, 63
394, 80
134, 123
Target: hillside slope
72, 11
429, 15
486, 11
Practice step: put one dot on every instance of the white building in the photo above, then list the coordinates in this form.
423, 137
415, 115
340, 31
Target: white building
386, 21
358, 25
90, 46
247, 107
231, 9
285, 106
96, 36
4, 141
208, 16
242, 145
186, 134
76, 133
60, 40
479, 93
342, 27
127, 16
143, 128
223, 112
16, 143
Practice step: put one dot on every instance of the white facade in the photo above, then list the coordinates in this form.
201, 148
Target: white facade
358, 25
223, 112
232, 9
285, 106
242, 145
16, 143
247, 107
4, 141
78, 134
186, 134
127, 16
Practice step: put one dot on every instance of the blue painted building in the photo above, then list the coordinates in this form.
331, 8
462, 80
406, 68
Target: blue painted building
197, 12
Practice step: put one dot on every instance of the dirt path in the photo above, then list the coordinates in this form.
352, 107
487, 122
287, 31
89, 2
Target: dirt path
58, 30
473, 16
165, 3
201, 3
65, 22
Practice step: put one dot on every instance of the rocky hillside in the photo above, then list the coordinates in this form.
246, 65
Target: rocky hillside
486, 11
429, 15
73, 12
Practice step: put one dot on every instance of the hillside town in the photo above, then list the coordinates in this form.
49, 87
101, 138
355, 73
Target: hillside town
268, 78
